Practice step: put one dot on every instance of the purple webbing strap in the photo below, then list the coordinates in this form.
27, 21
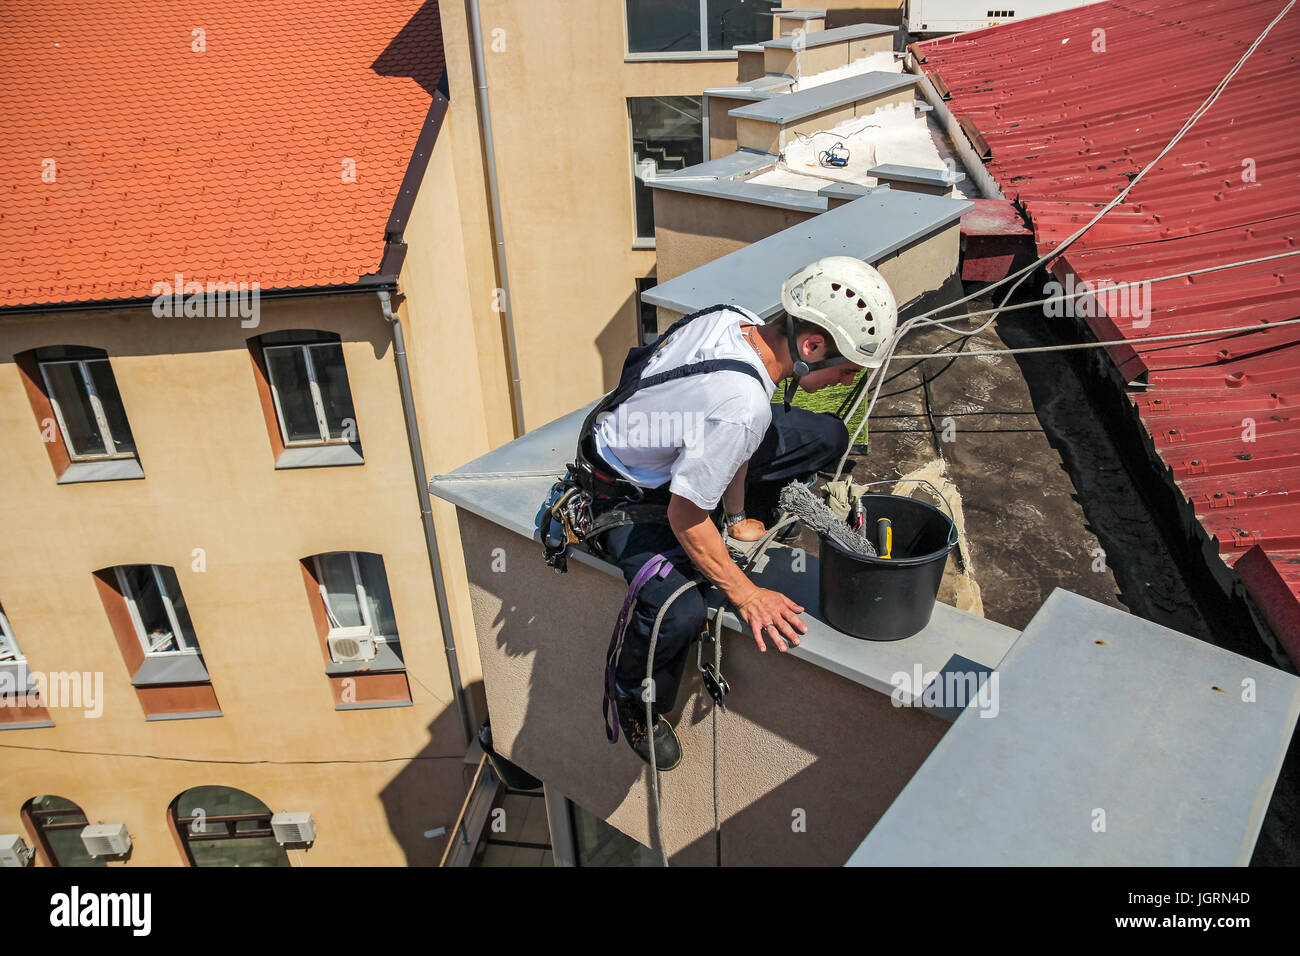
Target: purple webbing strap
658, 566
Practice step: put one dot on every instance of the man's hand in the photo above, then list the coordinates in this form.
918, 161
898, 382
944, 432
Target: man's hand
774, 614
764, 611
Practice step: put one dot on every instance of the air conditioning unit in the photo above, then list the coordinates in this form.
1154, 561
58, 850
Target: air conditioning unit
293, 828
352, 645
106, 839
14, 850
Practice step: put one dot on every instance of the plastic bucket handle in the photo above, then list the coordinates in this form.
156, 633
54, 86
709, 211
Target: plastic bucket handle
952, 534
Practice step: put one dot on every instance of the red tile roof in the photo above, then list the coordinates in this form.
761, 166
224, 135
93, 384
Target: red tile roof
1068, 126
223, 165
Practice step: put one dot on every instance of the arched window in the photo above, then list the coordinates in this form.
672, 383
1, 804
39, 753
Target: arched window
56, 825
222, 826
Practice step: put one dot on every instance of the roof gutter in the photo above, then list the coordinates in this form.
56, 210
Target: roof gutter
426, 512
503, 272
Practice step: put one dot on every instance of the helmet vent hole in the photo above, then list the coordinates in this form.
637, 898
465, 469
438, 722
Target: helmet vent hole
849, 293
835, 287
861, 304
871, 331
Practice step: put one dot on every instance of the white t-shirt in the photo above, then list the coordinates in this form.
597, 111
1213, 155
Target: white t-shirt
693, 432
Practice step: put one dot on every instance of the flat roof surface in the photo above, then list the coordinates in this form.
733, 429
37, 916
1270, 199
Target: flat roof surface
869, 229
1099, 711
819, 99
856, 31
508, 485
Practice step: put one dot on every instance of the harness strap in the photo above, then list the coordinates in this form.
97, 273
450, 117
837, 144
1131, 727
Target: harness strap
657, 567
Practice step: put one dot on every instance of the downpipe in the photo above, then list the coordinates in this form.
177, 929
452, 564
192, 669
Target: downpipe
426, 511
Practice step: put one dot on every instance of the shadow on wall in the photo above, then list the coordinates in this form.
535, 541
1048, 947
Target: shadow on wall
416, 52
429, 790
614, 341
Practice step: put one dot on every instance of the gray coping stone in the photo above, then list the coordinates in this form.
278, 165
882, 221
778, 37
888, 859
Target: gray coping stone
507, 487
748, 48
801, 14
792, 107
759, 89
916, 174
869, 229
782, 197
838, 190
856, 31
743, 162
1099, 709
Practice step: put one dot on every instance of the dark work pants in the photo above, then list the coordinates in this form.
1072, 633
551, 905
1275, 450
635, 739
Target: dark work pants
797, 444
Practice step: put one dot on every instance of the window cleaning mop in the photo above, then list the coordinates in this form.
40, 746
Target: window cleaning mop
797, 500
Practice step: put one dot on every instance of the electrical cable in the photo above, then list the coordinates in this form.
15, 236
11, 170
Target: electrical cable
246, 763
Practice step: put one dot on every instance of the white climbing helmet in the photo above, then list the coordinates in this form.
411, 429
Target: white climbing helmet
850, 300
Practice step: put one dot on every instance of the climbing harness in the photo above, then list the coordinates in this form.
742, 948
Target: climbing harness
588, 501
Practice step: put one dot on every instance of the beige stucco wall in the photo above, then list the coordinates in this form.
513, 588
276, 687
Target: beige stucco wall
189, 392
797, 742
691, 230
559, 88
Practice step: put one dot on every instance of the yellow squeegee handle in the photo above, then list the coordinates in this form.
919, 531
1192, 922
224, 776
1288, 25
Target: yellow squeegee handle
884, 538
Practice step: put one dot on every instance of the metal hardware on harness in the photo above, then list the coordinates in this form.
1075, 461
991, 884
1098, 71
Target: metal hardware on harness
715, 684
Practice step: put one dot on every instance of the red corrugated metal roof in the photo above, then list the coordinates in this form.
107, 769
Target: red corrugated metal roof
1072, 106
223, 164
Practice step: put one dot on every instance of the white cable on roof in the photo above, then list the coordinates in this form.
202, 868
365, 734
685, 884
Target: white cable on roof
877, 375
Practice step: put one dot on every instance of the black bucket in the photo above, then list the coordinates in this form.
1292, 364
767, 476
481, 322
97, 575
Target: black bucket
512, 775
888, 599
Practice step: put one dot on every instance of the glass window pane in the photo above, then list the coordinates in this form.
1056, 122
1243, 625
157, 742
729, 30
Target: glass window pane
659, 26
173, 586
245, 851
739, 21
287, 368
599, 844
340, 590
101, 373
158, 635
65, 845
332, 379
379, 600
667, 134
68, 391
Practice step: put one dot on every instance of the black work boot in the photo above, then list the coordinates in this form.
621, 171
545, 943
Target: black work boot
631, 718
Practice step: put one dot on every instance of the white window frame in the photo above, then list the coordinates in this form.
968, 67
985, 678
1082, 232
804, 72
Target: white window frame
359, 585
179, 636
9, 643
318, 403
96, 409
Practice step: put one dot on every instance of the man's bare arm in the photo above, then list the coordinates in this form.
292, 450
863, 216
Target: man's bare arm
762, 609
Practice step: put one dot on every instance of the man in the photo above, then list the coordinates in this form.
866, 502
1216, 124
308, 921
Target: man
712, 436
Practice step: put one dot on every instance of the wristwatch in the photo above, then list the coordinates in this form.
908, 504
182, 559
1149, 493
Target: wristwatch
731, 519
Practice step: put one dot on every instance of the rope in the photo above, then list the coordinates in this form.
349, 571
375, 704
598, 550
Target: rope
877, 374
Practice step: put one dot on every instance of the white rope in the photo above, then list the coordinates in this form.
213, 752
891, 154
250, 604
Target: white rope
877, 376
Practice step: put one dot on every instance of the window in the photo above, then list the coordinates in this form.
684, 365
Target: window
56, 825
647, 314
87, 407
9, 652
222, 826
667, 134
693, 26
157, 609
309, 384
355, 591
